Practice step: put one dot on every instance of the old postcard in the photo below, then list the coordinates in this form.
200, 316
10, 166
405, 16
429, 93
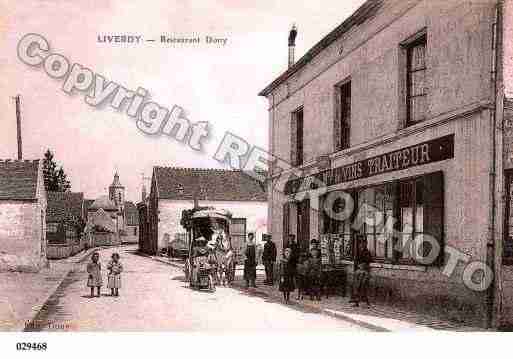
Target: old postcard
230, 166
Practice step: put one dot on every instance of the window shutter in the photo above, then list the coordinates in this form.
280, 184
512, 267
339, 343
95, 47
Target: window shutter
293, 140
285, 231
337, 130
433, 197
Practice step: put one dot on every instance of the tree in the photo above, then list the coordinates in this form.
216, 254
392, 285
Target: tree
55, 178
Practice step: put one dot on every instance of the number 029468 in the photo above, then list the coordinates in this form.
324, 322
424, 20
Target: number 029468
31, 346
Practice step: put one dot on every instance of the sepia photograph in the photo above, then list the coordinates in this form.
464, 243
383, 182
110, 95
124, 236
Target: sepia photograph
276, 175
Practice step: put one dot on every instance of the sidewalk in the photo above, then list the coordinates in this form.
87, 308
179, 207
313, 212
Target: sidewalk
378, 317
22, 295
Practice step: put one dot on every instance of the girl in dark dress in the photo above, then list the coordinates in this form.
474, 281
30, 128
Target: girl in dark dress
287, 270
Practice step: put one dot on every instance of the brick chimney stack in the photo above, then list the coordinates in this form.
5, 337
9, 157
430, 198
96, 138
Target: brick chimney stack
292, 44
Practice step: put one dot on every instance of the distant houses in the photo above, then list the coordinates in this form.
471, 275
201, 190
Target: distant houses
36, 225
23, 204
65, 221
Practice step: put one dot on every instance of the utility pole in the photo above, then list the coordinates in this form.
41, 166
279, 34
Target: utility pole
18, 126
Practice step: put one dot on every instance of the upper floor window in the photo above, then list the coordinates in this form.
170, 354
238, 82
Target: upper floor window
342, 116
416, 89
296, 141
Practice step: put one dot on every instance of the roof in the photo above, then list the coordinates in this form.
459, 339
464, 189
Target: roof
102, 219
115, 182
211, 213
131, 214
104, 203
365, 11
207, 184
63, 204
18, 179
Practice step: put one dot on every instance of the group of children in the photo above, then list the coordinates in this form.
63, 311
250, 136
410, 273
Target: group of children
304, 272
95, 280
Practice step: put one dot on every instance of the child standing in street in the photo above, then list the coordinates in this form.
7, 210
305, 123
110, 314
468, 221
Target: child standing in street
302, 276
287, 270
114, 278
94, 268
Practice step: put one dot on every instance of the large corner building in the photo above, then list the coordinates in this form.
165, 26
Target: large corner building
410, 99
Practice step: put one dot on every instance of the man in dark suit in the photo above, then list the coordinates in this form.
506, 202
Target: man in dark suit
269, 258
362, 262
294, 252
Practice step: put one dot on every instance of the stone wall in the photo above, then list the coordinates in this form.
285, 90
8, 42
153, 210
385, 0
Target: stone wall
20, 236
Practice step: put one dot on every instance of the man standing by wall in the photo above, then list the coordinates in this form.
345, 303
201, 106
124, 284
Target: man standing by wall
250, 262
269, 258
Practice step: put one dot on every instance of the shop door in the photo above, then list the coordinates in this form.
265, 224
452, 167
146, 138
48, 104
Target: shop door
303, 225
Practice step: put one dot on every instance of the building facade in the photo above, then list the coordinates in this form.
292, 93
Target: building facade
396, 117
65, 221
22, 216
176, 189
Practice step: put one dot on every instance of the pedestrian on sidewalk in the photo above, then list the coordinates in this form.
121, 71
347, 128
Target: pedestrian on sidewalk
314, 274
362, 274
230, 265
94, 269
286, 275
250, 262
303, 268
269, 258
114, 277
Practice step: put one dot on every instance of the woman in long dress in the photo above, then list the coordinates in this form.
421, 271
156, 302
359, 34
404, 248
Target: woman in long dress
114, 278
94, 269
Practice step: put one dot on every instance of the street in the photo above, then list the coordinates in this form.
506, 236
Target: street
154, 297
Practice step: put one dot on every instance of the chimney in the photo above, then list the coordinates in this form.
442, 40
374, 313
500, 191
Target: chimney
18, 126
292, 44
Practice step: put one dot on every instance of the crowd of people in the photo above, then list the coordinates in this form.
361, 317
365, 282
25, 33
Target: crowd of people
302, 270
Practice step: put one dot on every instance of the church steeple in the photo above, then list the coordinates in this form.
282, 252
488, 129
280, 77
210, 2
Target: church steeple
116, 182
117, 192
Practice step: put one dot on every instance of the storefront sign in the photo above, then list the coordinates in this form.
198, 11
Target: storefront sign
423, 153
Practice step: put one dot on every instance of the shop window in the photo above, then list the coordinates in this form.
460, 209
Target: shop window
342, 116
336, 224
377, 205
416, 89
411, 208
421, 213
52, 227
391, 216
296, 141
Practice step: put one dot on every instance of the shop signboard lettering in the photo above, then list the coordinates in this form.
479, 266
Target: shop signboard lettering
439, 149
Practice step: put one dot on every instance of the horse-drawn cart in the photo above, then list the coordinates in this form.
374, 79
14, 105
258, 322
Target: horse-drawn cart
208, 242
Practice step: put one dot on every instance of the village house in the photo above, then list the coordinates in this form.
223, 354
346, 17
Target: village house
22, 216
176, 189
132, 223
65, 219
404, 106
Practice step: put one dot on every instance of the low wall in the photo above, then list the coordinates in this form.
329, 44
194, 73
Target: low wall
58, 251
106, 239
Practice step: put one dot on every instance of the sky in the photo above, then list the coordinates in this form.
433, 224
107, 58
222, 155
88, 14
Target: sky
213, 83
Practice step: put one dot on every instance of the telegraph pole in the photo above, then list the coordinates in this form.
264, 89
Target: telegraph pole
18, 126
